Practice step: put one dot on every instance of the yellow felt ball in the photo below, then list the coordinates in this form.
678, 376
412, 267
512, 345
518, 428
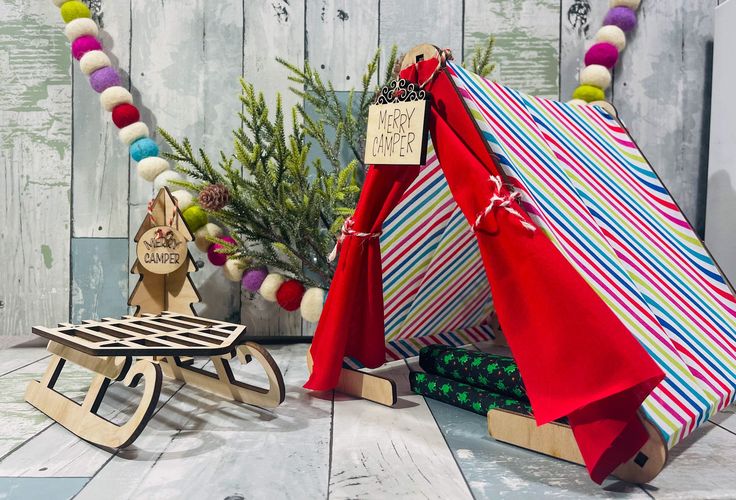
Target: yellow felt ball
588, 93
595, 75
202, 235
74, 10
195, 218
271, 285
577, 102
234, 269
606, 106
312, 304
613, 35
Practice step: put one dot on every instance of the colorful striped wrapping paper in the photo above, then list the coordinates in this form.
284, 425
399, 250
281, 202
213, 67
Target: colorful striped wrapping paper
434, 287
586, 184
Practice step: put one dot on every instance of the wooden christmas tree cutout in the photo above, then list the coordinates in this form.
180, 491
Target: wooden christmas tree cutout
163, 261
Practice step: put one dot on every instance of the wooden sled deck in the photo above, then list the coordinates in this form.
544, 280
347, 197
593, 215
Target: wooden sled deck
109, 348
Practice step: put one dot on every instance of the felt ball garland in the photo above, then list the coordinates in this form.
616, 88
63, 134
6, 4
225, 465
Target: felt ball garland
605, 52
82, 32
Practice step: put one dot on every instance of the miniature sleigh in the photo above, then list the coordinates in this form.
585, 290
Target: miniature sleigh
135, 350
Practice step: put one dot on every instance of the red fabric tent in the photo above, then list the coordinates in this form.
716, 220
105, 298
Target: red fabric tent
574, 355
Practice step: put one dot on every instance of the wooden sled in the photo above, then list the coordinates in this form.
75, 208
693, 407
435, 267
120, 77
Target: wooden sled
556, 440
109, 347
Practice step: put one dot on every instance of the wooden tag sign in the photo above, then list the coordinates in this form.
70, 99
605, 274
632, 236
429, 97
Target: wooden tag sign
397, 126
162, 250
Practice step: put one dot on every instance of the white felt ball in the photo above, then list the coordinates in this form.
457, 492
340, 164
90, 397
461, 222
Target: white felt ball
150, 168
234, 269
202, 234
613, 35
128, 135
184, 199
312, 304
595, 75
112, 96
271, 285
92, 61
165, 179
80, 27
632, 4
605, 105
577, 102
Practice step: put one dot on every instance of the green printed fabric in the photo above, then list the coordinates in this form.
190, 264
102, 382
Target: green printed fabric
464, 396
498, 374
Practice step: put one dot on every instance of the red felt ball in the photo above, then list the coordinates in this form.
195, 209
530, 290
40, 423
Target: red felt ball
289, 295
125, 114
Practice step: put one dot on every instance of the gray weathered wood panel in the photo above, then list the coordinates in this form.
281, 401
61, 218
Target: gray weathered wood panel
35, 161
662, 93
99, 278
271, 30
407, 23
100, 162
185, 69
527, 41
342, 24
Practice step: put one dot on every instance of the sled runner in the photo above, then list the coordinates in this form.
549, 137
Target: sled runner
135, 349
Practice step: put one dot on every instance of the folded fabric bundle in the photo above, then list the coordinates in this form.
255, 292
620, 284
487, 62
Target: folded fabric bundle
498, 374
464, 396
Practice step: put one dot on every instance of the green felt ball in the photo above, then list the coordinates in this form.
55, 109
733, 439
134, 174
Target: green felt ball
74, 10
195, 217
589, 93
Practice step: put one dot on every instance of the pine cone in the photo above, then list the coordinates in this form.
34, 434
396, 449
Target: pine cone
214, 197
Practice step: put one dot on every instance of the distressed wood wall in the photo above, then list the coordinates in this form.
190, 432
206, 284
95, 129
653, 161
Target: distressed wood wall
70, 199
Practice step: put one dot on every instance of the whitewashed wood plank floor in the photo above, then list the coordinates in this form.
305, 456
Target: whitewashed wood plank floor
313, 446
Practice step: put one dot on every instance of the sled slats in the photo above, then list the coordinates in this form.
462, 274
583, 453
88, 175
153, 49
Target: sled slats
168, 334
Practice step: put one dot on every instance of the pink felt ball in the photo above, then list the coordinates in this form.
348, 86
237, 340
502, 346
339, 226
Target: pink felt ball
623, 17
104, 78
253, 278
602, 53
84, 44
216, 258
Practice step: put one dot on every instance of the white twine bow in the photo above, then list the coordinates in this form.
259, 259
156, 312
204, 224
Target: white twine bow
347, 230
502, 201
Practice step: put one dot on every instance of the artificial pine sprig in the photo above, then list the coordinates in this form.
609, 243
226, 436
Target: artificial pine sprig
285, 209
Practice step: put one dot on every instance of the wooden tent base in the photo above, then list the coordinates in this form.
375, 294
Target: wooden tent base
83, 420
363, 385
556, 440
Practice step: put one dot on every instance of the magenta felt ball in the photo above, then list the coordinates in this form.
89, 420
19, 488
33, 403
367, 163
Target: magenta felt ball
253, 278
623, 17
104, 78
216, 258
84, 44
603, 53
